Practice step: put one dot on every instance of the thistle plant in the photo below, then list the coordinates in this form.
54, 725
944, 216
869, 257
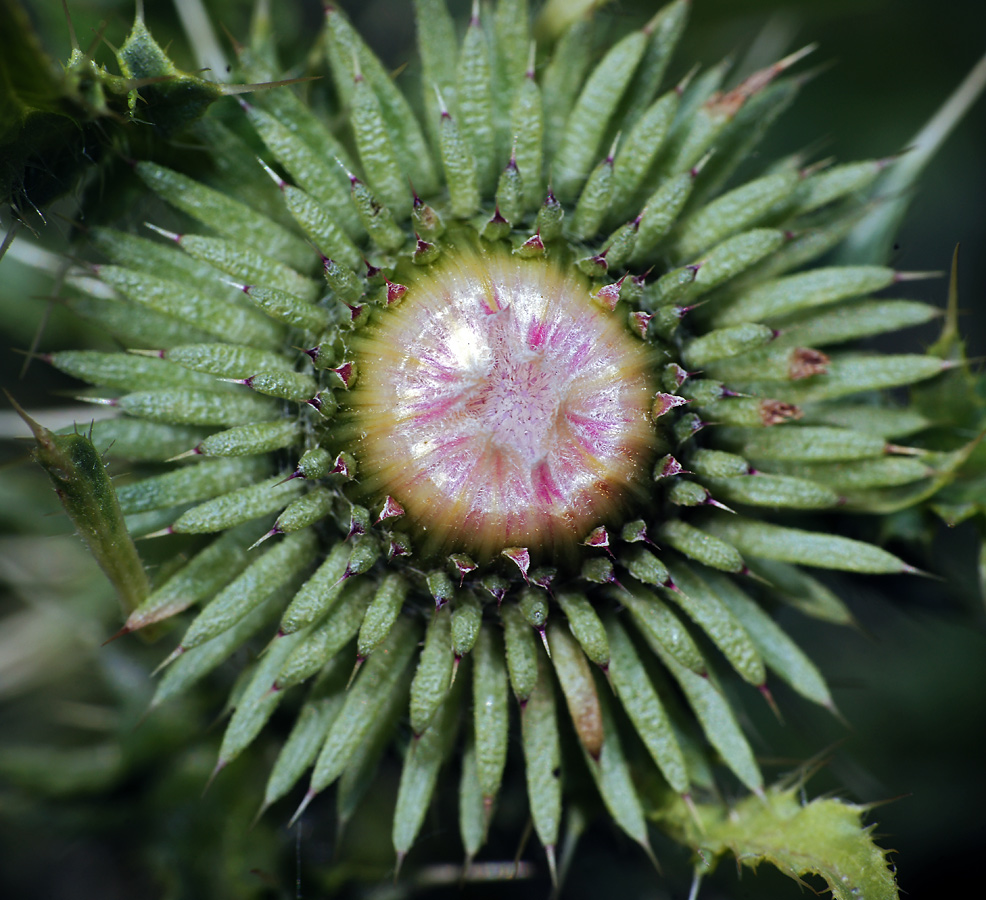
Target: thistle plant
498, 409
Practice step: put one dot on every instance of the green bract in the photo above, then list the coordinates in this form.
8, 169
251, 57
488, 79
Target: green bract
243, 320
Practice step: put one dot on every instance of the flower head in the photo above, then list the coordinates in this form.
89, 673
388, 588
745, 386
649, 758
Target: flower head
563, 379
501, 407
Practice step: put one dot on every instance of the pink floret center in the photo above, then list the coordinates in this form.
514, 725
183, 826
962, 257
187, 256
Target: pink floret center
502, 407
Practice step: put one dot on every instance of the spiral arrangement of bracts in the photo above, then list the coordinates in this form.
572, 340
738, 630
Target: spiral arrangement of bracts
559, 157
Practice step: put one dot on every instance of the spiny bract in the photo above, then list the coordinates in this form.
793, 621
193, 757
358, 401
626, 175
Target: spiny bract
550, 346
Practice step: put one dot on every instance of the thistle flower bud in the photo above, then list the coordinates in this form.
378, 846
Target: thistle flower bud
549, 339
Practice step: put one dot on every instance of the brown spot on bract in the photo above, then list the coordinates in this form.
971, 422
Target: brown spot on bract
773, 412
805, 362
